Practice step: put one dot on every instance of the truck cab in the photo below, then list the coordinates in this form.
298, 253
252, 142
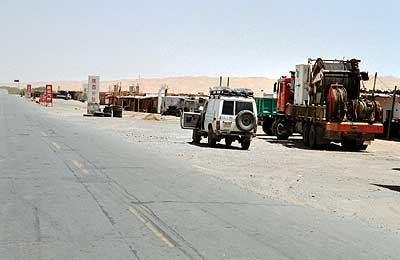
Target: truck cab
285, 93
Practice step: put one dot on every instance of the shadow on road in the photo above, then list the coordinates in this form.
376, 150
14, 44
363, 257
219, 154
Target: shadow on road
217, 146
297, 143
390, 187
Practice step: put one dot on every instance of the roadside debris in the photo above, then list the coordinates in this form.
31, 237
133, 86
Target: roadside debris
155, 117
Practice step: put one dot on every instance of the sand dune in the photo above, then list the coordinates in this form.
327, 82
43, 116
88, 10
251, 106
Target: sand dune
194, 85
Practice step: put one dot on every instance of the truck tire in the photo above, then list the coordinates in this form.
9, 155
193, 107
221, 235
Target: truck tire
117, 111
273, 128
361, 147
306, 132
398, 130
353, 145
267, 126
212, 141
196, 137
281, 131
246, 121
245, 144
312, 136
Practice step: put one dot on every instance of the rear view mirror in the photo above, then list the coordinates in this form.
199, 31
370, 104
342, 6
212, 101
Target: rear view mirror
275, 87
364, 75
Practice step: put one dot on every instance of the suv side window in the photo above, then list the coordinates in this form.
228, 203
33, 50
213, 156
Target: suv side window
227, 108
241, 105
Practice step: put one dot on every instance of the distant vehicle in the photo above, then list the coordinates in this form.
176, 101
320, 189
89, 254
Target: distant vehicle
172, 111
229, 114
266, 112
63, 95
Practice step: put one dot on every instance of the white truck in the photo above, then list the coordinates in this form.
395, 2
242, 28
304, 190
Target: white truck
229, 114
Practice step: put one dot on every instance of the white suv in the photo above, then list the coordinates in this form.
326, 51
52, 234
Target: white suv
229, 114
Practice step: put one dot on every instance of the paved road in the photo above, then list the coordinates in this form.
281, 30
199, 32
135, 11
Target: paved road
69, 192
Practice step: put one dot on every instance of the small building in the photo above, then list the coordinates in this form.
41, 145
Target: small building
138, 103
386, 101
186, 103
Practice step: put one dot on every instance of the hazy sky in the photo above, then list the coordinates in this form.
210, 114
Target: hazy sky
61, 40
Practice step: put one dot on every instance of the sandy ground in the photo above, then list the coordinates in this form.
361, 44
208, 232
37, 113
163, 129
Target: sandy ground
193, 84
339, 182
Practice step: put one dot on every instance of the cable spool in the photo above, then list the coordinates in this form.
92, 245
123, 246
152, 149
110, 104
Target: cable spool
366, 110
337, 99
360, 109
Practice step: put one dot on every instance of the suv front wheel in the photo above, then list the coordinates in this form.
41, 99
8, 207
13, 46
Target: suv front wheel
196, 137
212, 141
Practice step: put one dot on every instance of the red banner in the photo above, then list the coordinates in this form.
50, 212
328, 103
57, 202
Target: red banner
49, 94
28, 91
41, 98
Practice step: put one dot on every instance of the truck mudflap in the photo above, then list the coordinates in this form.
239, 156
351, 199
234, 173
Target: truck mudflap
355, 127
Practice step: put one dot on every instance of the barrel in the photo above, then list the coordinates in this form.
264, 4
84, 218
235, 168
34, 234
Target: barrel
117, 111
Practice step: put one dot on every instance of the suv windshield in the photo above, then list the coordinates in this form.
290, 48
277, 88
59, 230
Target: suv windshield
241, 105
227, 108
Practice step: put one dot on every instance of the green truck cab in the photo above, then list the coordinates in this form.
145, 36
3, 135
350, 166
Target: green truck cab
266, 111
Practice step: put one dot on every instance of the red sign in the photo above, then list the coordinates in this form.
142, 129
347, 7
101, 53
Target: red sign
93, 90
28, 91
41, 98
49, 94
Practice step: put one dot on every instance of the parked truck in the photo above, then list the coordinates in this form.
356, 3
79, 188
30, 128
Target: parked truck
321, 100
266, 112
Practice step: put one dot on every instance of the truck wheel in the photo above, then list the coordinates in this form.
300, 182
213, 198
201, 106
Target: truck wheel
398, 130
228, 141
306, 133
212, 141
273, 128
245, 144
267, 126
312, 136
281, 131
361, 147
353, 145
196, 137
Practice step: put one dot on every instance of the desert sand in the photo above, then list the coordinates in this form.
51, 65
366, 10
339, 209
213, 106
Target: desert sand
194, 85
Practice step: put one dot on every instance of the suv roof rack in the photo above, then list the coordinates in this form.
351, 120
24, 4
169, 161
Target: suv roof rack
231, 92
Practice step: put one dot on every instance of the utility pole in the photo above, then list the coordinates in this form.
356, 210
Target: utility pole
373, 89
391, 112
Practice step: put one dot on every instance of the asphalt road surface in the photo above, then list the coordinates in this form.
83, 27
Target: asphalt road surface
69, 192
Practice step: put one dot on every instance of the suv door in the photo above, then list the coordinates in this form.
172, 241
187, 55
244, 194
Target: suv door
210, 114
193, 120
190, 120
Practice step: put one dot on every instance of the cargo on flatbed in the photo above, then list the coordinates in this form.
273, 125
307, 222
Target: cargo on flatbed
321, 100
